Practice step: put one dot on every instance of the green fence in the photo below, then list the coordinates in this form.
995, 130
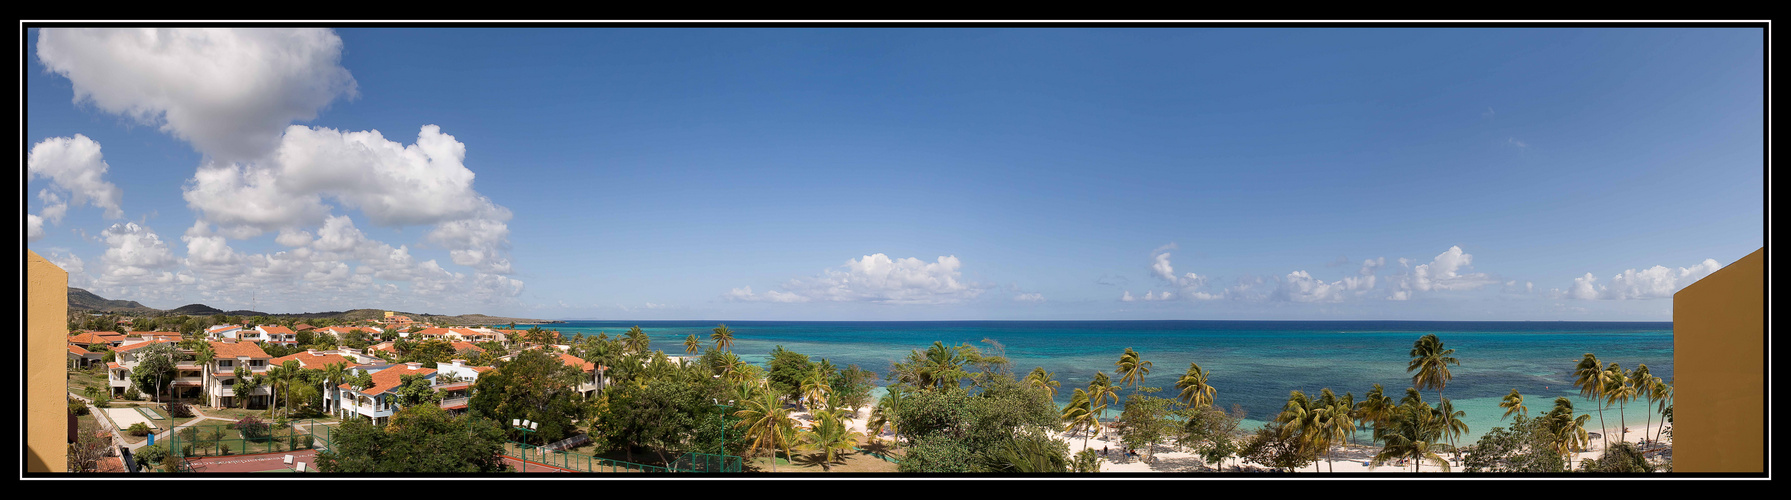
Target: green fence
223, 439
690, 462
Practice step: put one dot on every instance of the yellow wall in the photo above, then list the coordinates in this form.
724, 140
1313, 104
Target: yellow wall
46, 407
1719, 356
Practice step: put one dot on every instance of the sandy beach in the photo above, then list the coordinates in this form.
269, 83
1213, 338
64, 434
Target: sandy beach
1345, 458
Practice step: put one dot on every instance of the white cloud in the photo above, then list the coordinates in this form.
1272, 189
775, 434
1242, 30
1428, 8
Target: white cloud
1029, 297
1652, 283
34, 227
74, 165
876, 278
745, 294
227, 91
135, 255
1127, 297
1445, 272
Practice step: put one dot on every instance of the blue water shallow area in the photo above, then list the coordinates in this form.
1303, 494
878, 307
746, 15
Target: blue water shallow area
1254, 364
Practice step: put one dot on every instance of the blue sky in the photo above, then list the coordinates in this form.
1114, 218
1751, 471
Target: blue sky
889, 174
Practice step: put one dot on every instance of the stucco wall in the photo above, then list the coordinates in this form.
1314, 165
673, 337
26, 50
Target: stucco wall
1719, 356
46, 407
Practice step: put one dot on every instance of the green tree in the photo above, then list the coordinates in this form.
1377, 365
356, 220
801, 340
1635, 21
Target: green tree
723, 337
420, 439
788, 369
1131, 368
829, 438
415, 390
1431, 362
1568, 431
1513, 403
1412, 434
155, 367
533, 386
1145, 421
1618, 390
1589, 375
637, 341
691, 345
1523, 446
767, 424
1196, 392
1027, 453
1043, 379
1080, 414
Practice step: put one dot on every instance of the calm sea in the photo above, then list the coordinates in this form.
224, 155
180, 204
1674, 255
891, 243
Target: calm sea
1253, 364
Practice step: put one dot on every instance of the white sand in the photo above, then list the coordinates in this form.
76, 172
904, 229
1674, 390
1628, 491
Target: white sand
1352, 458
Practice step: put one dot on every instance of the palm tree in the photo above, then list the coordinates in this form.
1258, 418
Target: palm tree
1300, 422
815, 390
1643, 382
1663, 393
1041, 379
636, 340
768, 425
1618, 390
1410, 433
246, 384
729, 364
333, 376
1513, 403
1376, 408
1100, 391
830, 437
1431, 361
1131, 368
283, 375
1589, 377
691, 345
886, 410
1569, 432
723, 337
1080, 414
1196, 393
1453, 426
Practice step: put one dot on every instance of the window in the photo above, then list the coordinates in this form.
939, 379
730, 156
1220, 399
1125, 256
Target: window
225, 363
229, 382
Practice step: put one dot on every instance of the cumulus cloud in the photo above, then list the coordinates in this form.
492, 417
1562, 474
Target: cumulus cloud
876, 278
1445, 272
1300, 286
73, 165
229, 92
1652, 283
1029, 297
135, 255
34, 227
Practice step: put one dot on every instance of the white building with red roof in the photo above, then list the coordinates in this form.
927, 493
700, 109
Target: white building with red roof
220, 375
378, 402
276, 334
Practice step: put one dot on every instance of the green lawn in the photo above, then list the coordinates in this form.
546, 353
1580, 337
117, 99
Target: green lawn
80, 380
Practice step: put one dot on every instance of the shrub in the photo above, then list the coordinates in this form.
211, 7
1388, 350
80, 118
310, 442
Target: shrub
223, 449
150, 455
1087, 460
76, 407
180, 410
253, 428
132, 394
138, 429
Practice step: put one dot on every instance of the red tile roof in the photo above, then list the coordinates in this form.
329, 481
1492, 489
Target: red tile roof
459, 346
77, 350
275, 330
95, 338
390, 378
578, 362
233, 350
314, 361
131, 347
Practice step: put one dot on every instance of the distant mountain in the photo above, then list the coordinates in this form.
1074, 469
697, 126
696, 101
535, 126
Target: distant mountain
196, 310
83, 300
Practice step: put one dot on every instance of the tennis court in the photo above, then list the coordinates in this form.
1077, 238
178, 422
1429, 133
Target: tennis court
266, 462
125, 417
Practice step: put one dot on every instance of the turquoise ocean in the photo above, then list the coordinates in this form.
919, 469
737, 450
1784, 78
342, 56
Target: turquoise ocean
1253, 364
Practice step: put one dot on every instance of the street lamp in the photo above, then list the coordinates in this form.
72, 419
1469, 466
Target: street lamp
527, 427
724, 426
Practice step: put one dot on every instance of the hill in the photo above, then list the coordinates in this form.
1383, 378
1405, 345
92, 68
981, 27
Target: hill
83, 300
